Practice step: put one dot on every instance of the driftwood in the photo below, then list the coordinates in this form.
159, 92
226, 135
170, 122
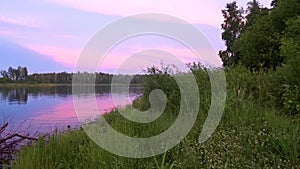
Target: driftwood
11, 142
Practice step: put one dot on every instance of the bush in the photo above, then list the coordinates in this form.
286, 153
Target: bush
288, 76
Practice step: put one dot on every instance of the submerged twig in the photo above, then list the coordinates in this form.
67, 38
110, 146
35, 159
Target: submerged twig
11, 142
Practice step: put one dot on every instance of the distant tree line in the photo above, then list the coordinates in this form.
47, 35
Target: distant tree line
13, 74
20, 75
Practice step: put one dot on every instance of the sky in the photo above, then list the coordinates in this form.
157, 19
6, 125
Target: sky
49, 35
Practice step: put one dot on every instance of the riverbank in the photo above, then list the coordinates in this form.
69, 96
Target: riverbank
252, 134
248, 135
54, 85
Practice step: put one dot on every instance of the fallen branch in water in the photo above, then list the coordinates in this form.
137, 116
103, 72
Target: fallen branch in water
17, 135
3, 127
11, 142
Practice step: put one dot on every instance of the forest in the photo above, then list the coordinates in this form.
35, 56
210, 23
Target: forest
20, 75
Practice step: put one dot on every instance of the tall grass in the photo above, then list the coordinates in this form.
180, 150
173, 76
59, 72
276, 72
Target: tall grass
253, 133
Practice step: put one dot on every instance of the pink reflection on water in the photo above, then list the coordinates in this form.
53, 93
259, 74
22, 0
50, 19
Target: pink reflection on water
64, 114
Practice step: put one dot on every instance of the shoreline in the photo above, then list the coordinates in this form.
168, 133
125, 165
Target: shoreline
30, 141
55, 85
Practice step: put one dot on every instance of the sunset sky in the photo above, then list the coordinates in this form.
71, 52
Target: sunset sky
48, 35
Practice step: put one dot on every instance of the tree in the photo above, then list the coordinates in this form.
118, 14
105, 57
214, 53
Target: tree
12, 73
282, 12
260, 42
290, 70
254, 12
23, 72
232, 27
259, 45
18, 72
274, 3
4, 74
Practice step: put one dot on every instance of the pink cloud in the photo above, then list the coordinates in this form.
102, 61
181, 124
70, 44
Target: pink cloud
137, 58
14, 34
5, 32
187, 55
64, 55
63, 36
125, 57
183, 53
20, 21
193, 11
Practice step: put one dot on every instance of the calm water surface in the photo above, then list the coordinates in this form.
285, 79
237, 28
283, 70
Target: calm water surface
43, 109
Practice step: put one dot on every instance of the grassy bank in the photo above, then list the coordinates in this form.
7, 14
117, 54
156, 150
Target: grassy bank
253, 133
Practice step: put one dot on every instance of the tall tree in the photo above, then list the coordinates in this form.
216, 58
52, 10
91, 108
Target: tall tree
283, 11
23, 72
4, 74
254, 11
12, 73
18, 73
259, 44
232, 27
274, 3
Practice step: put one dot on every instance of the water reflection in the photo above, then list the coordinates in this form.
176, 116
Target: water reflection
20, 95
14, 95
47, 108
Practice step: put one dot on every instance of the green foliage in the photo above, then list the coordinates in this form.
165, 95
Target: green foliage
259, 46
290, 70
268, 46
232, 27
279, 88
5, 80
254, 11
250, 134
253, 132
246, 85
162, 78
13, 74
291, 99
283, 11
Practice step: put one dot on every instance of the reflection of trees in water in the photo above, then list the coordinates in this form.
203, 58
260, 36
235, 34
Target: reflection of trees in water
15, 95
19, 95
61, 91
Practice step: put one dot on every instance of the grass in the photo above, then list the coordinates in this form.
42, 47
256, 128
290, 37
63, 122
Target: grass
250, 135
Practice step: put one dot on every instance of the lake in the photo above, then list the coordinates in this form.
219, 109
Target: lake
44, 109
